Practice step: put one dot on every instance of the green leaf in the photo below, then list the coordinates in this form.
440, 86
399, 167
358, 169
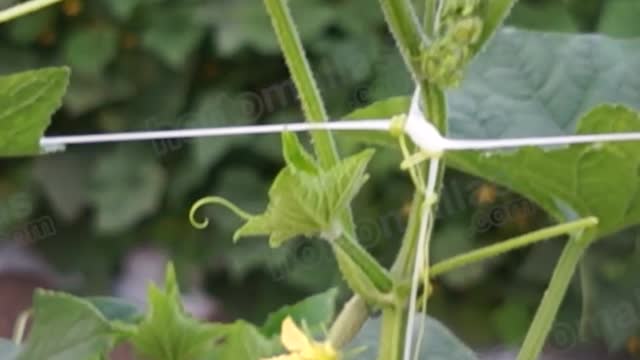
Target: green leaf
64, 182
123, 9
494, 13
243, 341
532, 84
601, 180
544, 16
89, 50
439, 343
383, 109
8, 350
511, 321
127, 186
167, 332
66, 328
26, 30
242, 24
316, 312
620, 18
303, 203
172, 34
27, 101
114, 309
611, 276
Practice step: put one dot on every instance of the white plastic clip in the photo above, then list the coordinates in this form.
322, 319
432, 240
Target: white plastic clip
422, 132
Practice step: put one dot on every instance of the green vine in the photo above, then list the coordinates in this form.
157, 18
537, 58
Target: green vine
553, 296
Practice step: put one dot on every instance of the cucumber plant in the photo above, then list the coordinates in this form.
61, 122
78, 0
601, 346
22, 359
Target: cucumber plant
473, 79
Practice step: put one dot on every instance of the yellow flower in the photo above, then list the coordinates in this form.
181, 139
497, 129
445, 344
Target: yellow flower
301, 347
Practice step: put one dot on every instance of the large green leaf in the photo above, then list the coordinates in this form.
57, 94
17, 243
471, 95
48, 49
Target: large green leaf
171, 33
304, 201
620, 18
126, 187
245, 23
66, 328
439, 343
601, 180
27, 101
90, 49
383, 109
528, 83
167, 332
494, 13
544, 16
316, 312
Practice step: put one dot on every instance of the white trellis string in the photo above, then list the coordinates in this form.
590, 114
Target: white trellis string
421, 257
421, 132
56, 143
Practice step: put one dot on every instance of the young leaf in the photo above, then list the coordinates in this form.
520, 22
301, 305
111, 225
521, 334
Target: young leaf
27, 101
599, 180
167, 332
620, 18
66, 328
316, 312
439, 342
302, 203
243, 341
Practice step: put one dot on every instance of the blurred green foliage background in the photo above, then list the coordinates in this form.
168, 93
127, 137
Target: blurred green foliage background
157, 64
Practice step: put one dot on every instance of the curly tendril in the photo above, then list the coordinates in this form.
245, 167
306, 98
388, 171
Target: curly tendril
214, 200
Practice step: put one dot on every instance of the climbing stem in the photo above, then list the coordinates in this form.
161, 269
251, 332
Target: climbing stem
378, 275
25, 8
294, 55
400, 16
351, 317
392, 333
548, 309
482, 254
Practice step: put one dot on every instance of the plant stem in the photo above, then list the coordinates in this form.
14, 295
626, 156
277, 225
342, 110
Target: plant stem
392, 333
327, 153
400, 17
403, 264
348, 322
459, 261
294, 54
378, 275
24, 9
552, 299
